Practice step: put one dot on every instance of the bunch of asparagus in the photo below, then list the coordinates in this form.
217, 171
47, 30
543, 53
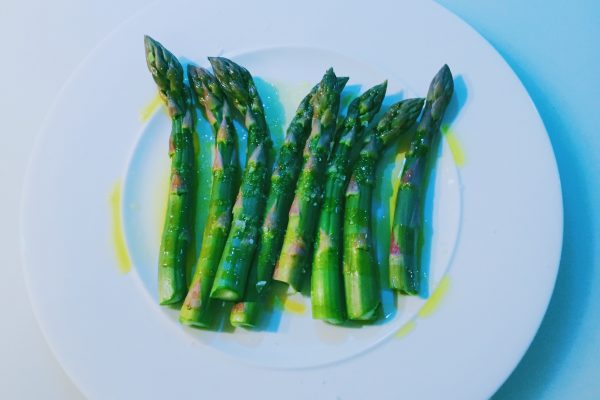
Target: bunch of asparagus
305, 214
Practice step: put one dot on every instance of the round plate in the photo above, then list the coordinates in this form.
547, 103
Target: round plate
495, 213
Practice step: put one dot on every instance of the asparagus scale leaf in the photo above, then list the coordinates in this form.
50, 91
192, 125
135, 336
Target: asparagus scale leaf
327, 295
198, 308
405, 242
178, 230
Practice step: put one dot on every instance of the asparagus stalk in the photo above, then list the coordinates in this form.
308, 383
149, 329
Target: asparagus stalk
232, 273
283, 182
295, 256
360, 266
245, 314
326, 281
406, 241
198, 308
178, 227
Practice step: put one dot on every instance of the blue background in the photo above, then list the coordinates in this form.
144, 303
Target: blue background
554, 47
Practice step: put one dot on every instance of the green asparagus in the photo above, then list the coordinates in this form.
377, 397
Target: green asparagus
406, 240
198, 308
296, 252
327, 296
283, 183
232, 273
246, 313
359, 266
178, 230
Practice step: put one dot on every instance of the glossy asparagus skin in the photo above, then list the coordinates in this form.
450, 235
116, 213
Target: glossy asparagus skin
406, 242
246, 313
295, 258
361, 284
281, 194
234, 266
178, 230
283, 182
232, 273
327, 294
198, 308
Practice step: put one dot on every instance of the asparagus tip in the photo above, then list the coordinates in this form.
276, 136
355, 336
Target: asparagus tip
148, 41
341, 83
442, 85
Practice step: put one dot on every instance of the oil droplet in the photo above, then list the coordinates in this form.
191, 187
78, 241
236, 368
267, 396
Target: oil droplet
118, 238
280, 300
434, 301
150, 108
456, 149
294, 306
406, 329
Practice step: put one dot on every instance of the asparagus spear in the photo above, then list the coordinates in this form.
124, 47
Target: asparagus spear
405, 242
178, 227
198, 308
283, 182
245, 313
295, 256
326, 281
232, 273
359, 266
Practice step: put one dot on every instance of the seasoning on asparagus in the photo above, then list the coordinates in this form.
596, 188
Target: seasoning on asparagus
232, 273
178, 230
406, 241
283, 182
294, 260
361, 283
327, 295
281, 194
198, 308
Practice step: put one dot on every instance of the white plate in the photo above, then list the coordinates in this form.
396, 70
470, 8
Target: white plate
495, 221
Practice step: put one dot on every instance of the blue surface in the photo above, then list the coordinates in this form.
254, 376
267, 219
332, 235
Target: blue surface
554, 47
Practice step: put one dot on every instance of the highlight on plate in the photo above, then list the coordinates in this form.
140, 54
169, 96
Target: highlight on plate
297, 217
